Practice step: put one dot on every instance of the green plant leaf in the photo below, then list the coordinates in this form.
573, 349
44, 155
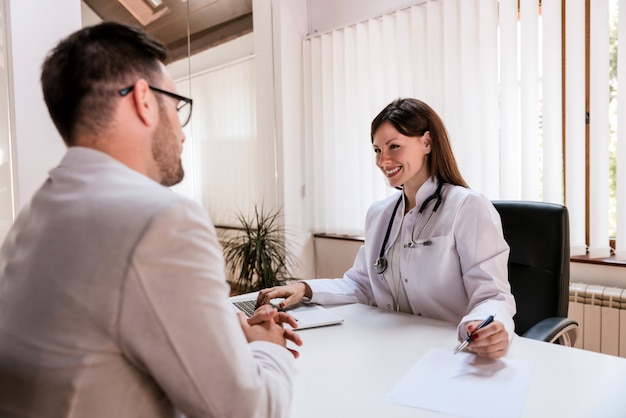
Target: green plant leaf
257, 256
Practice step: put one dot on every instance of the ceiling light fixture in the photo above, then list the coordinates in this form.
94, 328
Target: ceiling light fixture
143, 10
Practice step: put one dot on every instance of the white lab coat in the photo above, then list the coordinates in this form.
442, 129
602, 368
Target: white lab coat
462, 276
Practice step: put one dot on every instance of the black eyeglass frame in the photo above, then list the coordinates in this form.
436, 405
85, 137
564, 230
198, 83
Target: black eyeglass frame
185, 100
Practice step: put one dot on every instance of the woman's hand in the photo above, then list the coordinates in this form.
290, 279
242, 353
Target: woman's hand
491, 341
293, 293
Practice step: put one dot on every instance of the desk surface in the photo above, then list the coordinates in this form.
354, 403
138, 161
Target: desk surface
347, 370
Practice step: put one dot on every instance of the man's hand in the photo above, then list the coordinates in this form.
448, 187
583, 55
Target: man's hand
267, 325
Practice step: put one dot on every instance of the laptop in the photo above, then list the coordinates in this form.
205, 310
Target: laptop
307, 315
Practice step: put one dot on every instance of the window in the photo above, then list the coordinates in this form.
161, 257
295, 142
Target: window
495, 74
220, 140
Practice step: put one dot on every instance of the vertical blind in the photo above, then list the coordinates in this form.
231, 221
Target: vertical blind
599, 128
494, 74
220, 152
574, 123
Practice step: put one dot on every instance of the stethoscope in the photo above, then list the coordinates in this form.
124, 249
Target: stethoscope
381, 262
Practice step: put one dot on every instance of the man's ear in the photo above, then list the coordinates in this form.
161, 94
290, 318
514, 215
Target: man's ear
145, 103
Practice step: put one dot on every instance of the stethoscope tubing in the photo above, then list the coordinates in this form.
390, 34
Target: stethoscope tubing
381, 262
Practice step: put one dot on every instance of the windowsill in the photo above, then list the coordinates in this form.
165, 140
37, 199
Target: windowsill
607, 261
339, 237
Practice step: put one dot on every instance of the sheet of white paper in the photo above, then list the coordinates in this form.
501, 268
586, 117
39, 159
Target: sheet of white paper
465, 385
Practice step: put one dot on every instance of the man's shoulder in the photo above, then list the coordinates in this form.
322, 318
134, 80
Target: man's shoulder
107, 191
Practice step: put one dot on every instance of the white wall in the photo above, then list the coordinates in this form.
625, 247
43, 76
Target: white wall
602, 275
218, 56
290, 26
32, 32
333, 257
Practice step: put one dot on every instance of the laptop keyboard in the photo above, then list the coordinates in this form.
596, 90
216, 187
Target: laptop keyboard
247, 306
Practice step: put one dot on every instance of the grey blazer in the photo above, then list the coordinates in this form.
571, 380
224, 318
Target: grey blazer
113, 303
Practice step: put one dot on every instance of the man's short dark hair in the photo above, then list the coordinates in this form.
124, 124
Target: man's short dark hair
81, 77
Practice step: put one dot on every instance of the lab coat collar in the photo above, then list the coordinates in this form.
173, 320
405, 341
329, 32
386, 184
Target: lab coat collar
426, 190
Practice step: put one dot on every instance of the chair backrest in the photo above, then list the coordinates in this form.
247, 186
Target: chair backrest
538, 235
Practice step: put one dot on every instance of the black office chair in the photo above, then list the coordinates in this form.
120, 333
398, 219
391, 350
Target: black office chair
538, 235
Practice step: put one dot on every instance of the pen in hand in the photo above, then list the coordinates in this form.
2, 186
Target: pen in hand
467, 340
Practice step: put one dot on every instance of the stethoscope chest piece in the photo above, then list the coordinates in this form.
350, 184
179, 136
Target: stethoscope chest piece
381, 265
381, 262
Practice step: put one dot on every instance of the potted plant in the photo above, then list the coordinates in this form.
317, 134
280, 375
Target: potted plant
257, 255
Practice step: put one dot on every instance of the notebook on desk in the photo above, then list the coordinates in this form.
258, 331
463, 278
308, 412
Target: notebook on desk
306, 315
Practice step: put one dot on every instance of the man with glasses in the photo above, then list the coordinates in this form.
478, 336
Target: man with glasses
113, 301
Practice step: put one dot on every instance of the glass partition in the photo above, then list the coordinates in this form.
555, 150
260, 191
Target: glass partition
7, 208
211, 58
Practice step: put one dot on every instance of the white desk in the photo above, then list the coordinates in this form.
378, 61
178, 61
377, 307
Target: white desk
346, 370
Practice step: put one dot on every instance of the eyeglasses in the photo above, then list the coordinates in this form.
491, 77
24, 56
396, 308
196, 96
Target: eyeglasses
183, 107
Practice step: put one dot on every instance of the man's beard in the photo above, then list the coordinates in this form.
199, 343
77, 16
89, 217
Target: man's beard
165, 153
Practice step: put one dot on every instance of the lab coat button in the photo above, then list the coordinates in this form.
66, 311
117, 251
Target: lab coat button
388, 306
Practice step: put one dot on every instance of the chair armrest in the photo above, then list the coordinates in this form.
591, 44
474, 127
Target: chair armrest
555, 330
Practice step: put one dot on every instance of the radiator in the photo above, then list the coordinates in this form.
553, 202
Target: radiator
601, 315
